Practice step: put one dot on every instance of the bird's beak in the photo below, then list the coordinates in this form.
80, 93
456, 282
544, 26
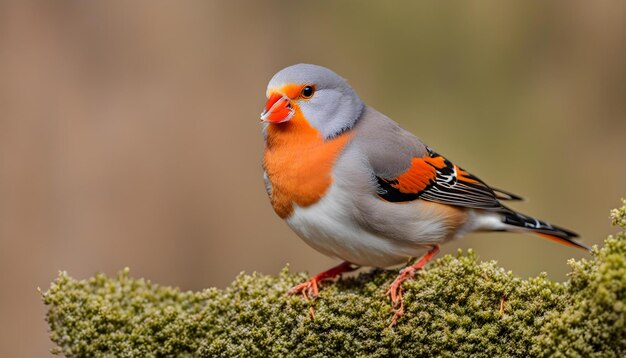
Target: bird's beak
278, 109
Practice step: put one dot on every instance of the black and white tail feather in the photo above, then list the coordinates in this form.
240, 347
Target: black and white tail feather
521, 222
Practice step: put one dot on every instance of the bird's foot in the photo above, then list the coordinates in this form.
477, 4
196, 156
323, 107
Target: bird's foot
310, 288
306, 289
395, 290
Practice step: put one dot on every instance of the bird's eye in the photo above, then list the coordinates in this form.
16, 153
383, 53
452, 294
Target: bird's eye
307, 92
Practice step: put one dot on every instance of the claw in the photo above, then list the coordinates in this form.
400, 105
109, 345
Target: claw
310, 289
306, 289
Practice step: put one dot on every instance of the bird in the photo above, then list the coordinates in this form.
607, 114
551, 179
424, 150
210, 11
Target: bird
356, 186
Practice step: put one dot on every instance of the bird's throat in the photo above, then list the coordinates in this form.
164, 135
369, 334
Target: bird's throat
299, 162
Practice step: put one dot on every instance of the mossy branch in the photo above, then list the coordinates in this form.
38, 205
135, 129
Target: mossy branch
458, 306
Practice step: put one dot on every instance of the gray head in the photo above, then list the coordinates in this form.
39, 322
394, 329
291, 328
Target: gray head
325, 99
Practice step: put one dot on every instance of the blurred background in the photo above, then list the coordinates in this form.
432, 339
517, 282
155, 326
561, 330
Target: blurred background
130, 134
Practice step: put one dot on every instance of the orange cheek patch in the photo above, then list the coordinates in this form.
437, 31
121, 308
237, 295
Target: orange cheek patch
299, 163
291, 90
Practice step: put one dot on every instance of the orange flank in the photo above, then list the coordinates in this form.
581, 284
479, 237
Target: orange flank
421, 173
299, 162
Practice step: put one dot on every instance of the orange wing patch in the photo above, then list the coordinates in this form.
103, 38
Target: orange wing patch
462, 175
434, 178
422, 173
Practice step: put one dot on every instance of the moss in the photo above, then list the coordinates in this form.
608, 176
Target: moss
457, 307
618, 216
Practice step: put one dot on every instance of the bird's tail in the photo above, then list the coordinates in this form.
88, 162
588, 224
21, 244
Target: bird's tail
516, 221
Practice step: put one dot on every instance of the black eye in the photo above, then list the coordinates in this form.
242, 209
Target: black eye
307, 92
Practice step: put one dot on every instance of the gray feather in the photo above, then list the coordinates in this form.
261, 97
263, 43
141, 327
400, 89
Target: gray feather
388, 147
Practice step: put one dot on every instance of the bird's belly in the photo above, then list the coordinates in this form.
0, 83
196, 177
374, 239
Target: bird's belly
331, 227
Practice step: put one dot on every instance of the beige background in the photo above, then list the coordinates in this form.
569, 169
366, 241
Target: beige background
129, 131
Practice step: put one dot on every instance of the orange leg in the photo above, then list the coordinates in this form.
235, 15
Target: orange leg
310, 288
395, 291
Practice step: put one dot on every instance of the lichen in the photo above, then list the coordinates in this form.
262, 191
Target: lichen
458, 306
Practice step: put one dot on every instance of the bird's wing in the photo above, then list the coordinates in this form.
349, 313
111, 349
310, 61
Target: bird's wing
407, 170
434, 178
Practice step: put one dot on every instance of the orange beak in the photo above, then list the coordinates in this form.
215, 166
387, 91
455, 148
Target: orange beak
278, 109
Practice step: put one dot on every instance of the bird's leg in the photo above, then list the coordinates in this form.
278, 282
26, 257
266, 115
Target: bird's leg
310, 288
395, 291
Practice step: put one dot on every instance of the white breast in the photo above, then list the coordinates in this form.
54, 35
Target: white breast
328, 227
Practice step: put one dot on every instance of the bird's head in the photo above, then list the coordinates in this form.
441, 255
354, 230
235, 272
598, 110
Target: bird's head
314, 93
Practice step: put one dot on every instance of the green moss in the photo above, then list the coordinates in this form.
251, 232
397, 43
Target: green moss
453, 309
